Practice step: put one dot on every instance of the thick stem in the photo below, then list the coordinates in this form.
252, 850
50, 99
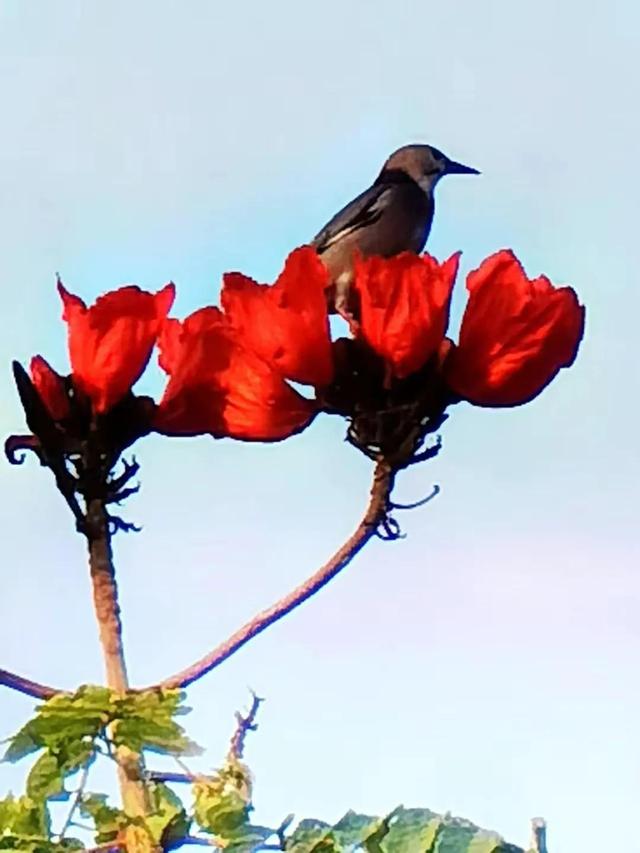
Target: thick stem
105, 599
374, 514
105, 596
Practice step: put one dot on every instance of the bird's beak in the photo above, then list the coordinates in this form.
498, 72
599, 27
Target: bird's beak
454, 168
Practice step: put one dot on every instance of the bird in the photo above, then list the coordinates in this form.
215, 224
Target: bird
392, 216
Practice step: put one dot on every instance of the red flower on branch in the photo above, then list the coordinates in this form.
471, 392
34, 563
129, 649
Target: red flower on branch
110, 343
404, 307
516, 334
287, 323
220, 386
404, 304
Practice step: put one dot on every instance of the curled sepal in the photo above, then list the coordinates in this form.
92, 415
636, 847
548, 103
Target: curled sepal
16, 443
435, 491
389, 529
117, 524
36, 412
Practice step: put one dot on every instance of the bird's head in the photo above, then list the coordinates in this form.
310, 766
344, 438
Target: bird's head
425, 165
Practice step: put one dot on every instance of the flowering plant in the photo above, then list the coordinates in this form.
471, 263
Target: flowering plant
260, 368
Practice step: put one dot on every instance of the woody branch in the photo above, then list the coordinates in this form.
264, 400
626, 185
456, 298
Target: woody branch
375, 514
26, 685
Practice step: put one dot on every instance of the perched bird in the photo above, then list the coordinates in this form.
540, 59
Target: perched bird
394, 215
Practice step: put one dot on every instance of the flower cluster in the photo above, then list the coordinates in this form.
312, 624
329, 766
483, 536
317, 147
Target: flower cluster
397, 371
230, 369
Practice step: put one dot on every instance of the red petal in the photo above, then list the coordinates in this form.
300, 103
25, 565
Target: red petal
516, 334
217, 386
404, 306
51, 388
110, 343
285, 324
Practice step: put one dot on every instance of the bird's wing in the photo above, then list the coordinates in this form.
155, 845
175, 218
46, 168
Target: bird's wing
363, 210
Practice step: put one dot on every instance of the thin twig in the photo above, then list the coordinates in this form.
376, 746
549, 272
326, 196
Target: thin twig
83, 826
76, 799
161, 776
187, 776
26, 686
244, 725
236, 747
186, 770
374, 515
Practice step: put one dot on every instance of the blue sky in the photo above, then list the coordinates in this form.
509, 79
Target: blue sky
487, 663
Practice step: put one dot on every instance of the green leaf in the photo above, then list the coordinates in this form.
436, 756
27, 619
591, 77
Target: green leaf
354, 829
45, 779
107, 820
401, 831
68, 724
175, 830
312, 835
222, 805
65, 727
74, 755
247, 839
138, 734
23, 816
155, 702
168, 822
36, 845
82, 715
410, 830
70, 844
64, 720
222, 802
218, 812
421, 829
145, 721
22, 744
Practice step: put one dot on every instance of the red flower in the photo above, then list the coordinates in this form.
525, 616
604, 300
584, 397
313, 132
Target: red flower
285, 324
111, 342
516, 334
404, 306
50, 387
219, 386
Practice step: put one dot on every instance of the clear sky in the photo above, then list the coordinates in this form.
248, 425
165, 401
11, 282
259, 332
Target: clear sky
488, 663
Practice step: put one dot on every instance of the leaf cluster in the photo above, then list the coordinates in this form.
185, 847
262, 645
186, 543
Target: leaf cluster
71, 730
401, 831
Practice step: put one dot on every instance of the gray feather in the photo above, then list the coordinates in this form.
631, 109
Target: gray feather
362, 211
